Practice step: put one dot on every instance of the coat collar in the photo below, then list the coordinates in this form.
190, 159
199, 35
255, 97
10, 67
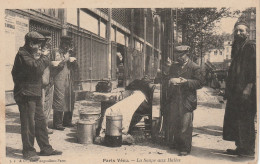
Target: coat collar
24, 52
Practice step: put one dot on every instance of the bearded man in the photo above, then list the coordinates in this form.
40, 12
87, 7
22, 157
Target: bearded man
241, 94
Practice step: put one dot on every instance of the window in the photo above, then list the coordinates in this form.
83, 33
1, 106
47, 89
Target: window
112, 34
72, 16
88, 22
215, 52
220, 52
120, 38
103, 29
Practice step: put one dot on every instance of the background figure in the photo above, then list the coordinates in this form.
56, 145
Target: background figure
48, 87
64, 68
241, 93
27, 76
185, 77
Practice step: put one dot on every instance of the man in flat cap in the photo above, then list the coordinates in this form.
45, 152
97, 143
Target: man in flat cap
241, 93
27, 76
63, 76
184, 78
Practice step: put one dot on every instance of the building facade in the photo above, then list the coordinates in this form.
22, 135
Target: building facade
99, 36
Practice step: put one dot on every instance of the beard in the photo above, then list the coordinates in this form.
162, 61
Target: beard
240, 38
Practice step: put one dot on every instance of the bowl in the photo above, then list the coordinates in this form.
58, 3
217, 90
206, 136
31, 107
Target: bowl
55, 63
72, 59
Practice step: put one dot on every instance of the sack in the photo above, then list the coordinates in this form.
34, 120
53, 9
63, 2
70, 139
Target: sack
46, 76
104, 86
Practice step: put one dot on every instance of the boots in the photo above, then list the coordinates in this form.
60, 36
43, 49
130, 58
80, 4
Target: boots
57, 120
67, 119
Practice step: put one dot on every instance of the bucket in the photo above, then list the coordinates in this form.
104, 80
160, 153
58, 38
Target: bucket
113, 137
90, 116
85, 132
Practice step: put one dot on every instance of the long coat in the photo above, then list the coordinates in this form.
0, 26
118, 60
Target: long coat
63, 77
181, 101
240, 113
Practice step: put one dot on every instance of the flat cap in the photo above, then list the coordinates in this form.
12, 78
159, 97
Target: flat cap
182, 48
33, 35
45, 33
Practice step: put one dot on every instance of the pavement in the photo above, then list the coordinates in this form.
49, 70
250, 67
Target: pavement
207, 145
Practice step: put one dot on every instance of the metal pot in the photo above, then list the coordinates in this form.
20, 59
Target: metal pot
114, 125
85, 131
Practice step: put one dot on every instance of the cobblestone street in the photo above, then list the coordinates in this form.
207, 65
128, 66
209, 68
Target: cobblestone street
208, 145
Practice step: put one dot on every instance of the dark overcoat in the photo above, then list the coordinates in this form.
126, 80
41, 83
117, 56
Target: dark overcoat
181, 101
240, 113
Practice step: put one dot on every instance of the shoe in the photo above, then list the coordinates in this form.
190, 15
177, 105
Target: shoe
50, 131
232, 151
59, 127
31, 158
99, 140
183, 153
68, 125
49, 153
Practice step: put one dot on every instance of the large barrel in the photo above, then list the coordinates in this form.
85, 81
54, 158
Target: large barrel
86, 131
113, 137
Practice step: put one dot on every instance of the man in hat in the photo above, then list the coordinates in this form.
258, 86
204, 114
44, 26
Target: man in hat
185, 77
241, 93
48, 87
63, 74
27, 76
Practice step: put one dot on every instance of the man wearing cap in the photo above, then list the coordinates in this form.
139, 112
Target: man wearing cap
27, 76
185, 77
63, 74
241, 93
48, 87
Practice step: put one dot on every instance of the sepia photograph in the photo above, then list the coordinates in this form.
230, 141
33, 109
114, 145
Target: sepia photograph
130, 85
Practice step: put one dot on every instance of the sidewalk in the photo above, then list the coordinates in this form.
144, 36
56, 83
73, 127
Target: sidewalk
208, 145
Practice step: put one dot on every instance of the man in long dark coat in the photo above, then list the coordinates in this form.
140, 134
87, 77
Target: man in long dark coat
63, 73
185, 77
241, 93
27, 76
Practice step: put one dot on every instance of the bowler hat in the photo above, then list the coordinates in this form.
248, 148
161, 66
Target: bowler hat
66, 38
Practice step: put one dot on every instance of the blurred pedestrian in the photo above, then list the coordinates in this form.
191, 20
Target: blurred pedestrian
63, 69
241, 93
27, 76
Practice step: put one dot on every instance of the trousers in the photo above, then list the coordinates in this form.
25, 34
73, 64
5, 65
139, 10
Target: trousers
33, 124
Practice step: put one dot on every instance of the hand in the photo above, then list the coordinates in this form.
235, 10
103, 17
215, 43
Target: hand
174, 81
46, 52
182, 81
247, 92
66, 57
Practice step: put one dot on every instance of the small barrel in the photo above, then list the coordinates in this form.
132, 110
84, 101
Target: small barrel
85, 132
113, 137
